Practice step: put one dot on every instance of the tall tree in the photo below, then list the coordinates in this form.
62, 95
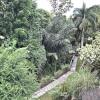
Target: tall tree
60, 7
96, 11
84, 19
58, 38
22, 20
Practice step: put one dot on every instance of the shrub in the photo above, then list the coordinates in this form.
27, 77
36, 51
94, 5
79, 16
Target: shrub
58, 73
17, 77
46, 80
55, 93
91, 52
79, 81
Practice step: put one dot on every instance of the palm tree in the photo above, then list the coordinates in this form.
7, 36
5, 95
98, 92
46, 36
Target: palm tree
83, 19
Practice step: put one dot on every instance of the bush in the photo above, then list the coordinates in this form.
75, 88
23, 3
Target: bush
37, 55
90, 54
55, 93
79, 81
46, 80
58, 73
17, 77
65, 66
75, 84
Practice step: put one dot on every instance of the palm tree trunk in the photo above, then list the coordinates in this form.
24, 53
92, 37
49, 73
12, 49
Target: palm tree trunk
82, 38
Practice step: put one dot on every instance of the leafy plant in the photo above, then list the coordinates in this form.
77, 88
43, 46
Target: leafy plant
79, 81
17, 76
46, 80
90, 54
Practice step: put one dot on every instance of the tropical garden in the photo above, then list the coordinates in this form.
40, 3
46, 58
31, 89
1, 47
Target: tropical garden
37, 47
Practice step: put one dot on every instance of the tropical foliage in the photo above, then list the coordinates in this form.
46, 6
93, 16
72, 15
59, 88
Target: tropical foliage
84, 21
37, 47
90, 54
79, 81
17, 76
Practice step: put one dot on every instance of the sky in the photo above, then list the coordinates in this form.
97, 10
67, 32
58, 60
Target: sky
44, 4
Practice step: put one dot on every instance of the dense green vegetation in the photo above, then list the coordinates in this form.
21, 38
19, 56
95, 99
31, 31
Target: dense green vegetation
21, 52
86, 43
36, 47
17, 76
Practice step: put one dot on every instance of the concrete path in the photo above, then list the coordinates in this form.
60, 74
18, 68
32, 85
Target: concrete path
58, 81
52, 85
73, 63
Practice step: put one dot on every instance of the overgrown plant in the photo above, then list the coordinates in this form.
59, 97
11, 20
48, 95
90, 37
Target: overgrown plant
90, 54
79, 81
17, 76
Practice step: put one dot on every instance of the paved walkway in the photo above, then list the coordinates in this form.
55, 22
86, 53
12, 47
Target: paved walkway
58, 81
52, 85
73, 63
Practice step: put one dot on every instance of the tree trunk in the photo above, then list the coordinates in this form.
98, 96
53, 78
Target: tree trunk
82, 39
